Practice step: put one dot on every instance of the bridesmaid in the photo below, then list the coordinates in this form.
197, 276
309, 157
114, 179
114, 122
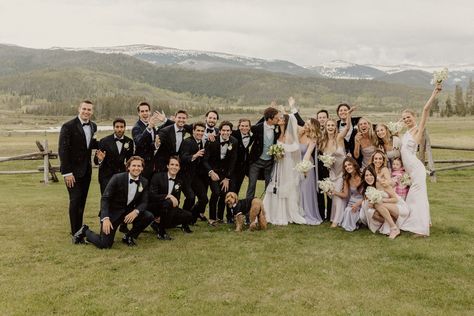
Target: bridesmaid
417, 199
387, 142
378, 216
379, 162
353, 191
332, 143
365, 142
308, 137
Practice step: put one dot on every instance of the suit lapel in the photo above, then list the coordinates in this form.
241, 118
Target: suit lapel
81, 130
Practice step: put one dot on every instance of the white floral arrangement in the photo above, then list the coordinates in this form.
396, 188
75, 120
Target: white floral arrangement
373, 195
140, 187
304, 166
328, 160
126, 145
395, 128
405, 180
176, 187
277, 151
439, 76
229, 147
326, 185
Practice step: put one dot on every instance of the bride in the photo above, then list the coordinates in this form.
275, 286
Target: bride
282, 196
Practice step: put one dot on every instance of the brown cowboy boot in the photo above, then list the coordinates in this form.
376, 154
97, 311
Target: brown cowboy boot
239, 222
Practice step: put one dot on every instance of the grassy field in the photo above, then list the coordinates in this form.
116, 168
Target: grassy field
297, 270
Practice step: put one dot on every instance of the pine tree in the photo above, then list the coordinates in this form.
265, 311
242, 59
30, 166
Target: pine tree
434, 107
449, 107
459, 101
470, 97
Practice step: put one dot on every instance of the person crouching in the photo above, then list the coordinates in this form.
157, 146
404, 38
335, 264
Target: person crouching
240, 208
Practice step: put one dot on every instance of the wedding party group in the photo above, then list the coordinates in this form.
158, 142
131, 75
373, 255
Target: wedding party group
347, 171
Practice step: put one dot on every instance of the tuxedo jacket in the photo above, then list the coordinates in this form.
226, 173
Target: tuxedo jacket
167, 146
144, 141
243, 154
212, 158
243, 206
114, 162
159, 190
113, 203
74, 154
349, 145
258, 137
189, 168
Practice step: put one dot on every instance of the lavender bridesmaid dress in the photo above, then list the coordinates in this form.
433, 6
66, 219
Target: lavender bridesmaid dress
308, 196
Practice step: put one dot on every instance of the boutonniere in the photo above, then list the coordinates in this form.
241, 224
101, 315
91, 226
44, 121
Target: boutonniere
126, 146
140, 188
229, 147
176, 187
94, 136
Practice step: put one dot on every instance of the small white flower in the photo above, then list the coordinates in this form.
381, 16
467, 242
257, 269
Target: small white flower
229, 147
140, 188
327, 159
126, 146
395, 128
439, 76
176, 186
373, 195
304, 166
326, 185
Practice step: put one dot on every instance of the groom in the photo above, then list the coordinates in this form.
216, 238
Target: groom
265, 134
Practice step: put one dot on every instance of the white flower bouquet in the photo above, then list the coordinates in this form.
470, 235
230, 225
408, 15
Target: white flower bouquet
439, 76
373, 195
277, 151
328, 160
405, 180
326, 185
395, 128
304, 166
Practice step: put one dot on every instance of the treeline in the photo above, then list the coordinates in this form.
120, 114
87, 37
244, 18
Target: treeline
462, 105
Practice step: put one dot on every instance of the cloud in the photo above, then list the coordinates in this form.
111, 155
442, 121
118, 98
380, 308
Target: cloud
305, 32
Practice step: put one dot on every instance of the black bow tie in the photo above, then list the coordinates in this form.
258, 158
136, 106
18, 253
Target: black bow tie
171, 179
119, 140
86, 124
209, 130
244, 137
136, 181
225, 142
343, 124
179, 131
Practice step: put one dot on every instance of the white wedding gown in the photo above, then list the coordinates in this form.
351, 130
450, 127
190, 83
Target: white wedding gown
282, 196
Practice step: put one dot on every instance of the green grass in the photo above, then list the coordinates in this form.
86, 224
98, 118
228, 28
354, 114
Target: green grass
214, 271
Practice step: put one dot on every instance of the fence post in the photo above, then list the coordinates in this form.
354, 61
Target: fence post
45, 162
431, 165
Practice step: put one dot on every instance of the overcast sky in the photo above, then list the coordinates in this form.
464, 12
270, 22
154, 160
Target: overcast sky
422, 32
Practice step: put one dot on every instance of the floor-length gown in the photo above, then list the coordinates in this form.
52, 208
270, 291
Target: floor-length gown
418, 221
335, 174
349, 218
282, 197
308, 193
367, 153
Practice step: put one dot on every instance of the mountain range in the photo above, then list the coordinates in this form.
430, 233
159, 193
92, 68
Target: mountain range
407, 74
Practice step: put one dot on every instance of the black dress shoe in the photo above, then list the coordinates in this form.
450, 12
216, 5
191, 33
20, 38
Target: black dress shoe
124, 229
164, 236
128, 241
202, 218
78, 237
186, 229
155, 227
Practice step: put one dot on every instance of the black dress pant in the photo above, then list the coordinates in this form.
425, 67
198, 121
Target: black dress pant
197, 189
102, 240
77, 201
236, 182
217, 201
323, 173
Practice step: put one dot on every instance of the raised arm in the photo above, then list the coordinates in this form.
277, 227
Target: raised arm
426, 113
343, 133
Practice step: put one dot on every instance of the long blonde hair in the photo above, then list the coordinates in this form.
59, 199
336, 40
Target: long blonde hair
325, 135
372, 136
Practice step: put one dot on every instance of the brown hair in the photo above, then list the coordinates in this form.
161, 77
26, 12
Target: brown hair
129, 161
142, 104
269, 113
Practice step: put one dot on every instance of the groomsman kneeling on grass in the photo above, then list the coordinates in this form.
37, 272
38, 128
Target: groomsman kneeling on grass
253, 207
123, 201
165, 192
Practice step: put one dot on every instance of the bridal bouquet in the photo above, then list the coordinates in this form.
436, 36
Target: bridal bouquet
304, 166
395, 128
326, 185
327, 160
439, 76
405, 180
374, 195
277, 151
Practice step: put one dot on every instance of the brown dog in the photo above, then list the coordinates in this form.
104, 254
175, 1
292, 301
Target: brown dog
251, 206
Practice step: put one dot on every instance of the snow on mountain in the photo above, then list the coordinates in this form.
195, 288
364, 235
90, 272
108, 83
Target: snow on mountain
340, 69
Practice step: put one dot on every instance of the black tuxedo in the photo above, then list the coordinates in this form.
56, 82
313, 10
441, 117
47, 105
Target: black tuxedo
224, 168
349, 145
75, 157
162, 207
196, 178
323, 173
167, 146
243, 161
113, 205
114, 162
243, 206
144, 146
